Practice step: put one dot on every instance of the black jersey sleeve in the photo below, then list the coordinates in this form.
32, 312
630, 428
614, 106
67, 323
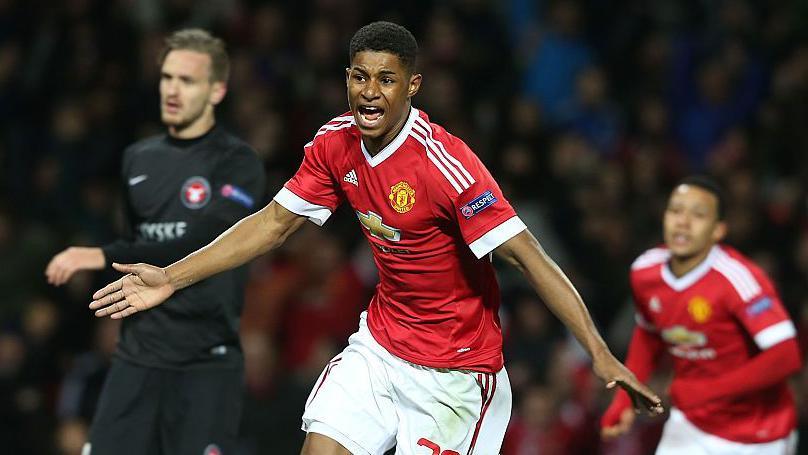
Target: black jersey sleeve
238, 190
238, 186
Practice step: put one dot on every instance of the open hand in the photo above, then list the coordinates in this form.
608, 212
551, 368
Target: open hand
144, 287
615, 373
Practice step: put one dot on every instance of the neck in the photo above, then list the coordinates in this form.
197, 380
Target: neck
375, 144
196, 129
681, 265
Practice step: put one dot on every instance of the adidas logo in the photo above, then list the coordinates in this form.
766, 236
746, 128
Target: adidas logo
350, 177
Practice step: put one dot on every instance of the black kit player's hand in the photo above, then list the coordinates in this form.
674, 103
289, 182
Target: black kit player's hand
144, 287
614, 373
74, 259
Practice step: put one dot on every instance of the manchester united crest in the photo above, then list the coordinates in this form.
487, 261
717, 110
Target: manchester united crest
402, 197
699, 309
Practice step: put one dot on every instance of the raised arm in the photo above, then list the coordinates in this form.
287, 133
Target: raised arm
147, 286
525, 253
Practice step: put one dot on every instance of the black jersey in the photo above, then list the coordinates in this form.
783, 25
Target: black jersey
180, 195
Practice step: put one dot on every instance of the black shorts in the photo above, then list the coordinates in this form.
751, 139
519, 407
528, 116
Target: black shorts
167, 412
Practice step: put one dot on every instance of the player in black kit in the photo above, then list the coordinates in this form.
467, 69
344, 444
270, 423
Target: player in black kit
175, 386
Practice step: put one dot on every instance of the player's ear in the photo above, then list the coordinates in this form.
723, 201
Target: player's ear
217, 92
347, 75
415, 84
719, 231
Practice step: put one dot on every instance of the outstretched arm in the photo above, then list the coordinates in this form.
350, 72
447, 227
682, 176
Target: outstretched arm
251, 237
147, 286
525, 253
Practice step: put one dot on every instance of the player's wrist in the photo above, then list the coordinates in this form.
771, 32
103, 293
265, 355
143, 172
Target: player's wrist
171, 280
98, 258
601, 355
176, 279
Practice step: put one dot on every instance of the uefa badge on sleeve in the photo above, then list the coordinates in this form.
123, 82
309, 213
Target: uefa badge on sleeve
478, 204
195, 192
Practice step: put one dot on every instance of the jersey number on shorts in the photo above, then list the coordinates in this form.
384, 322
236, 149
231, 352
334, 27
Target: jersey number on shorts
434, 447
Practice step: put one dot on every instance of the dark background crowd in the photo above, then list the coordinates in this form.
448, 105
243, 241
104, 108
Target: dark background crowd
586, 112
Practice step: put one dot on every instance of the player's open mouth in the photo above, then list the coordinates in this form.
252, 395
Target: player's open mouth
171, 106
370, 115
680, 239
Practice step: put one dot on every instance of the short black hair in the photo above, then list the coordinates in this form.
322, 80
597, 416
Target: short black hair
383, 36
710, 185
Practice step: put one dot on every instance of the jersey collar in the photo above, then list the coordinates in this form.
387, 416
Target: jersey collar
685, 281
394, 145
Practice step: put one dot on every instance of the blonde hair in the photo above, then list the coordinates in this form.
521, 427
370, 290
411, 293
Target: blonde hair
196, 39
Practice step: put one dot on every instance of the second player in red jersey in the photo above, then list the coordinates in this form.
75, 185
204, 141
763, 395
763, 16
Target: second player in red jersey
720, 318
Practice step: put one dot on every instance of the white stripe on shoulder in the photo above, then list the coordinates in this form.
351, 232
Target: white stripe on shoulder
342, 118
651, 257
775, 333
738, 275
339, 126
430, 144
344, 122
428, 128
437, 162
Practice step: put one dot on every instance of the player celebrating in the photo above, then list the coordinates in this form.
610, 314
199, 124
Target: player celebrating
732, 342
176, 382
425, 370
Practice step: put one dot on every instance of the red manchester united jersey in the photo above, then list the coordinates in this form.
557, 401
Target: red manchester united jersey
432, 213
712, 319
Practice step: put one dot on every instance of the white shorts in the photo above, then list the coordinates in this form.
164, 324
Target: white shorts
370, 401
682, 437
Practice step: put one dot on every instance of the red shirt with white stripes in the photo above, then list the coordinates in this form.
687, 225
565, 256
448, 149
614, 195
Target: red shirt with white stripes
432, 213
712, 319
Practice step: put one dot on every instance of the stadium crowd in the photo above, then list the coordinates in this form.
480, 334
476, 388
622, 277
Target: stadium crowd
587, 112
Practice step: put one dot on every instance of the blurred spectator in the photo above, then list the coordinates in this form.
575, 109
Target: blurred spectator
560, 55
591, 114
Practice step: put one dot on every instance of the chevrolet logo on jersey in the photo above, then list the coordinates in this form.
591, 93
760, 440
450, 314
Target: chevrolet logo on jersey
373, 223
683, 337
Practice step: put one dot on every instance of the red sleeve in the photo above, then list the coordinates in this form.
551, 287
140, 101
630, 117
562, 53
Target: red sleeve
758, 308
643, 354
764, 370
312, 191
485, 218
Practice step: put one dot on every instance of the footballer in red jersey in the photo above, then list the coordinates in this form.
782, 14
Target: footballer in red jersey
431, 211
424, 372
732, 343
